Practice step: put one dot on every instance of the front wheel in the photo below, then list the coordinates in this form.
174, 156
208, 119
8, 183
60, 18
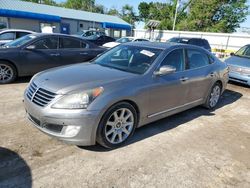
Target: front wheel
214, 96
117, 125
7, 73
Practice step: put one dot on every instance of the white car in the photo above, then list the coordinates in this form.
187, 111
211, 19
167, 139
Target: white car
123, 40
8, 35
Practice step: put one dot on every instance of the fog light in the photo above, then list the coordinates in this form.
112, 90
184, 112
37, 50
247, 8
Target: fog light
71, 130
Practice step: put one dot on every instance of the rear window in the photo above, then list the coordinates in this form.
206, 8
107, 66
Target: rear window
70, 43
197, 59
21, 34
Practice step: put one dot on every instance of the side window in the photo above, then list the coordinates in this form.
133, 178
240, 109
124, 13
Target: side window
175, 59
101, 38
84, 45
206, 44
195, 42
47, 43
196, 59
21, 34
8, 36
70, 43
140, 40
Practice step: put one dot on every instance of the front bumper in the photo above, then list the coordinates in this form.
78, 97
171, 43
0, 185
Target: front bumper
238, 77
54, 122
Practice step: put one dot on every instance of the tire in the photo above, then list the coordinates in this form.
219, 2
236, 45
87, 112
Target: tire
117, 125
214, 96
8, 72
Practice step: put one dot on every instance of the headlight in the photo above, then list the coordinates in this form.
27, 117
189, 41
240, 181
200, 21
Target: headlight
78, 100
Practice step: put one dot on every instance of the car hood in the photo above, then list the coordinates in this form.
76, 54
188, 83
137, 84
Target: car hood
111, 44
80, 77
238, 61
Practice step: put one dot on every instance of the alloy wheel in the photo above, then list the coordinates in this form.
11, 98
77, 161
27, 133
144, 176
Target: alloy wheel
215, 95
6, 73
119, 126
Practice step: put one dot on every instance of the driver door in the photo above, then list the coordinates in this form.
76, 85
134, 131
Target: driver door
41, 55
168, 92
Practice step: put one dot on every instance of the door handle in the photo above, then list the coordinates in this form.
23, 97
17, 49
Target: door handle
212, 74
56, 54
83, 53
183, 79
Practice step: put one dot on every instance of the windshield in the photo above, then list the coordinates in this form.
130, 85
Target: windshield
243, 52
129, 58
20, 41
124, 39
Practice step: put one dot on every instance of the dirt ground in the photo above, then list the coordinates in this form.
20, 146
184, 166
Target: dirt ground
196, 148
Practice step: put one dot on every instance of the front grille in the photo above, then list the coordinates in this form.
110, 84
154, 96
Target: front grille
39, 96
51, 127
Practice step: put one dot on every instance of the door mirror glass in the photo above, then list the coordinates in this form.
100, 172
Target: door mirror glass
166, 69
31, 47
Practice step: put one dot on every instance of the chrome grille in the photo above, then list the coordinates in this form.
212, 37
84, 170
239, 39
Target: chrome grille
39, 96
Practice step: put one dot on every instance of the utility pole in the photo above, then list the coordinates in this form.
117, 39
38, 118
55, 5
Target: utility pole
175, 15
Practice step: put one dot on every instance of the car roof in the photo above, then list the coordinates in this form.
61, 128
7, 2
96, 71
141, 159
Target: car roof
56, 34
188, 38
158, 45
16, 30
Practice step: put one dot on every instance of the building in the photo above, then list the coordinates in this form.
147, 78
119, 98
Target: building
17, 14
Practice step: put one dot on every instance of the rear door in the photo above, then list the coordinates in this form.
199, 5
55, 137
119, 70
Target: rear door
200, 72
74, 50
43, 55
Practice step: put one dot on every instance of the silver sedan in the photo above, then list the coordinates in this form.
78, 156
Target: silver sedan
127, 87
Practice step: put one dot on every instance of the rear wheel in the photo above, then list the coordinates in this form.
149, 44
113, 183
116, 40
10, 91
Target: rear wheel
117, 125
7, 73
214, 96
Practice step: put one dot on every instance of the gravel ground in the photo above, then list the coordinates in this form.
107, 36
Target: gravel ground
196, 148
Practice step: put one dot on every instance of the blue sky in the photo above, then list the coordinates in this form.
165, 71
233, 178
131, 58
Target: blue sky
119, 3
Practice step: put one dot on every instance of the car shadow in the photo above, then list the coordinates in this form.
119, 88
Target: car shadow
174, 121
21, 80
14, 171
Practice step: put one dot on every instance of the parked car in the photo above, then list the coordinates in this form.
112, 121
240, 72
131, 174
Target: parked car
128, 86
239, 64
36, 52
8, 35
89, 33
123, 40
193, 41
99, 40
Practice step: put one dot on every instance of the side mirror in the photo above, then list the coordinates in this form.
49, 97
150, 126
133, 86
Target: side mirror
232, 54
31, 47
166, 69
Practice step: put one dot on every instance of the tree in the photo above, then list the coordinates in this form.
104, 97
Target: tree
144, 11
197, 15
46, 2
215, 16
86, 5
128, 14
114, 12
